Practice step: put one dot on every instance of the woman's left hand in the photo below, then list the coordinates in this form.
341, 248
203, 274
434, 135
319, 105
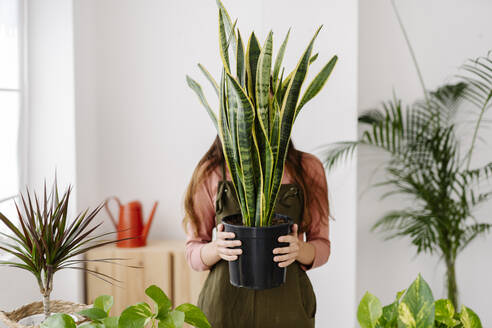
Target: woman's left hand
289, 253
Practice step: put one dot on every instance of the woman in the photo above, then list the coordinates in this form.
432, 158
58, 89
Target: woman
303, 196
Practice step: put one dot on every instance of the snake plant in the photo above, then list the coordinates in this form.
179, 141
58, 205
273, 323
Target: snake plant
258, 105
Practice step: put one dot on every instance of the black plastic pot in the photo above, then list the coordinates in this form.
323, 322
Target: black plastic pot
255, 267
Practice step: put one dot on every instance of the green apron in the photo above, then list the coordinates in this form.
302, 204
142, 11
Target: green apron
291, 305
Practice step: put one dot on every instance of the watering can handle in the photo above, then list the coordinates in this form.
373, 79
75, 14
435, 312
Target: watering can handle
109, 212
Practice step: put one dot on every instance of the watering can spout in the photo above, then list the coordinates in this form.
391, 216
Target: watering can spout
149, 222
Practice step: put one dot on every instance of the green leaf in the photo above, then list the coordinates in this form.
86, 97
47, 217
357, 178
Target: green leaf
317, 84
390, 314
193, 315
93, 313
240, 62
228, 26
223, 49
175, 319
252, 54
287, 113
369, 311
92, 324
280, 58
405, 317
59, 320
104, 302
445, 312
469, 319
160, 298
263, 75
110, 322
419, 303
199, 92
210, 78
245, 118
135, 316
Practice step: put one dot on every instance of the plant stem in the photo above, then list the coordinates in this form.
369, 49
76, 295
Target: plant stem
412, 53
451, 282
46, 305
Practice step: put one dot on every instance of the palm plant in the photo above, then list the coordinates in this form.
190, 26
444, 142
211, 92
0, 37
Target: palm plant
48, 240
427, 164
257, 109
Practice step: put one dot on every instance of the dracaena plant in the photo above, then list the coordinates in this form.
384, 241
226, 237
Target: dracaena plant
414, 307
47, 239
258, 105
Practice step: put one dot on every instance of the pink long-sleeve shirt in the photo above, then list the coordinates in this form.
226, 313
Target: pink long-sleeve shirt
317, 233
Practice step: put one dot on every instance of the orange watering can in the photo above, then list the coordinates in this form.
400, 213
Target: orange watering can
130, 223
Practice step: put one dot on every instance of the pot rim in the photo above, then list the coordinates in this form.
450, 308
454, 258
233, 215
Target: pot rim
277, 226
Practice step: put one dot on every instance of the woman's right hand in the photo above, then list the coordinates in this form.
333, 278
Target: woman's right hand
223, 243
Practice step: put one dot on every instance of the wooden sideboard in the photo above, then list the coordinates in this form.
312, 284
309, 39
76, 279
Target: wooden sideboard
163, 264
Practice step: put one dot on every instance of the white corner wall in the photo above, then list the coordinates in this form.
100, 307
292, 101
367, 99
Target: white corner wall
444, 34
141, 131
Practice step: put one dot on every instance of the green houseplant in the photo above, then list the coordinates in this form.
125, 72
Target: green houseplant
134, 316
426, 163
258, 106
48, 240
414, 307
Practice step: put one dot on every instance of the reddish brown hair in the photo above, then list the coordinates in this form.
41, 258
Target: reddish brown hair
313, 195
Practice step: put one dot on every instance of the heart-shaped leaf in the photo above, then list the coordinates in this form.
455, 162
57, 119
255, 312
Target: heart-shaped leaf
161, 300
135, 316
469, 319
59, 320
174, 319
93, 313
104, 302
420, 303
445, 312
194, 316
369, 311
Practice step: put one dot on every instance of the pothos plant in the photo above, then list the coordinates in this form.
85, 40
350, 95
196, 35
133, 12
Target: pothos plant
258, 106
414, 307
134, 316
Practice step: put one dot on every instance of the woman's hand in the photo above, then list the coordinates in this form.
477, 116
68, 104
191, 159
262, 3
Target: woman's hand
222, 244
290, 252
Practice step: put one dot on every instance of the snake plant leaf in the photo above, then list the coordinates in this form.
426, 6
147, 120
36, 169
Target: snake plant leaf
317, 84
240, 64
263, 72
228, 147
313, 58
228, 26
252, 54
223, 42
245, 119
280, 58
210, 78
287, 113
197, 88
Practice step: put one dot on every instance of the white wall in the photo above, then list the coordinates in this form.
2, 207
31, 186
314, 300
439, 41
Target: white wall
443, 34
141, 131
51, 136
